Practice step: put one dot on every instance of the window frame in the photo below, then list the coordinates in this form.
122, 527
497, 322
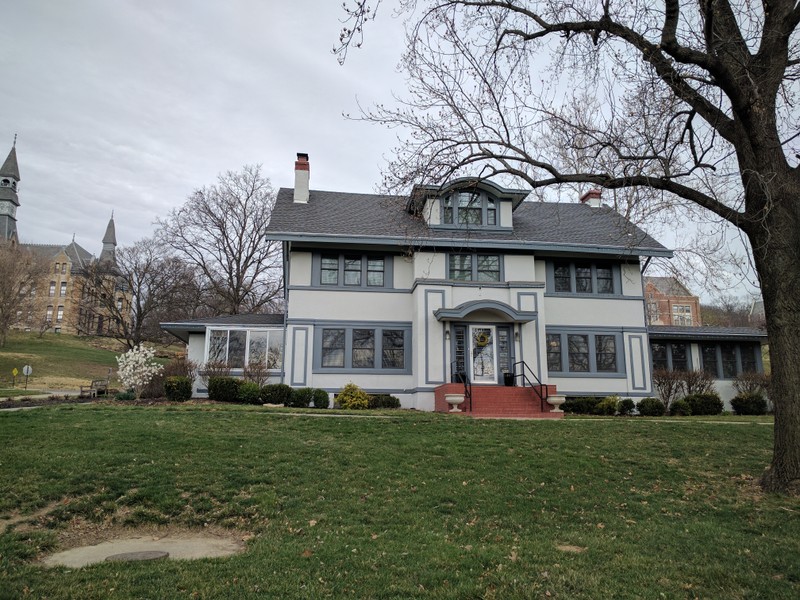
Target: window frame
474, 267
591, 335
378, 345
556, 278
367, 259
681, 313
247, 342
450, 209
668, 346
739, 348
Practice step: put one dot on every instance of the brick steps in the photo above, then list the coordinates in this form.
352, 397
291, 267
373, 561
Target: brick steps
494, 401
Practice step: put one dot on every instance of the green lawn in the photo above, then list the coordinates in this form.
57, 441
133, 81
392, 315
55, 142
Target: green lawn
413, 506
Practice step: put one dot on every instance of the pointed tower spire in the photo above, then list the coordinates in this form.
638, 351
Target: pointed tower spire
9, 179
109, 242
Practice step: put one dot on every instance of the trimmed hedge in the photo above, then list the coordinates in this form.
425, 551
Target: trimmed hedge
651, 407
320, 398
178, 388
300, 398
276, 393
581, 405
249, 393
626, 406
607, 406
384, 401
749, 404
680, 408
705, 404
353, 397
223, 389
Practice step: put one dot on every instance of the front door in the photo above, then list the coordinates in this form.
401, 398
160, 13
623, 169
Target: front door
483, 357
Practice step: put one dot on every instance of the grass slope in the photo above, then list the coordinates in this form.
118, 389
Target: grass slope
418, 506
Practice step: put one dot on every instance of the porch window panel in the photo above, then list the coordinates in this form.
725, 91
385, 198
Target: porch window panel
488, 267
461, 267
352, 271
375, 272
393, 349
605, 280
329, 270
562, 278
583, 279
748, 357
578, 353
257, 354
659, 352
333, 341
606, 353
680, 357
554, 352
218, 346
728, 360
363, 348
237, 341
708, 353
275, 350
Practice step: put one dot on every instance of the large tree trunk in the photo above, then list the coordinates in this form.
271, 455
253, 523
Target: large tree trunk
776, 250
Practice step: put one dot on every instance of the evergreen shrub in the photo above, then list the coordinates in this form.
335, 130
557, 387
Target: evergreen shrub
384, 401
705, 404
320, 398
249, 392
300, 398
353, 397
749, 404
276, 393
580, 405
680, 408
223, 389
178, 388
651, 407
626, 406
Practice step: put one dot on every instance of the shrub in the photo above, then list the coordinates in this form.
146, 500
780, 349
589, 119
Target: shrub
353, 397
180, 367
626, 406
276, 393
749, 404
300, 398
178, 388
751, 383
607, 406
223, 389
211, 369
680, 408
256, 372
137, 367
128, 395
580, 405
651, 407
249, 392
668, 385
384, 401
705, 404
697, 382
320, 398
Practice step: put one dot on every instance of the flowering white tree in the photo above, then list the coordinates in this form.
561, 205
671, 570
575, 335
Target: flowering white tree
137, 367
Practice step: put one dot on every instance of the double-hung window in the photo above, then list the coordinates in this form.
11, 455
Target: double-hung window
352, 270
583, 278
474, 267
379, 348
470, 209
590, 353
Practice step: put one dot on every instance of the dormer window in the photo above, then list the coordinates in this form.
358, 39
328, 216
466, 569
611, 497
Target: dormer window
469, 208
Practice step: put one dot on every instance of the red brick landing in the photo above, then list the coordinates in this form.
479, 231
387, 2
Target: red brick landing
499, 401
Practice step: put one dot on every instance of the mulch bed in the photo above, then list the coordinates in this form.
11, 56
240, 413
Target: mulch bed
4, 404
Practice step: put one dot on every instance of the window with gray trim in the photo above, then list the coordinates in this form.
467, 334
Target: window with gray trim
470, 209
589, 353
348, 270
672, 356
474, 267
583, 278
726, 360
362, 348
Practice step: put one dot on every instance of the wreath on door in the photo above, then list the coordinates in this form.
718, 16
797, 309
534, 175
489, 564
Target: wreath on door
481, 339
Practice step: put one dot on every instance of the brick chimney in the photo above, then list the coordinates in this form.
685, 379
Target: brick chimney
302, 172
592, 198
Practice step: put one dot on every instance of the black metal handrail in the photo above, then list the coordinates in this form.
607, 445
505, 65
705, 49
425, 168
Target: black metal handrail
524, 376
462, 377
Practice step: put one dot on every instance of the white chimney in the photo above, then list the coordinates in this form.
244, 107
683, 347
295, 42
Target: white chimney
592, 198
301, 175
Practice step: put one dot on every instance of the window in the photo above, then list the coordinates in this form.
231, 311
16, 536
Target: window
48, 315
590, 353
60, 314
352, 271
63, 268
52, 289
672, 356
237, 348
345, 348
63, 291
57, 268
726, 360
470, 209
119, 303
474, 267
653, 313
567, 277
681, 314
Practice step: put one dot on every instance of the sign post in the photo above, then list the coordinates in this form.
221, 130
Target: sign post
14, 374
26, 370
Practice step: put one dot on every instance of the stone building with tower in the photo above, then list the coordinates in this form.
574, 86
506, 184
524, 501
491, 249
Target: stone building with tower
72, 296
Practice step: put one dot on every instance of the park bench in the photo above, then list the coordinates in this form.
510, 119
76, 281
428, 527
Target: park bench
98, 387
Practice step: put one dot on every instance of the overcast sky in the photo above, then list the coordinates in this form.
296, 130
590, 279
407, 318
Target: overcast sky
128, 106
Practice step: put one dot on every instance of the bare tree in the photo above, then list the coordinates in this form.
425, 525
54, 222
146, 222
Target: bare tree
727, 311
221, 230
684, 109
20, 271
144, 286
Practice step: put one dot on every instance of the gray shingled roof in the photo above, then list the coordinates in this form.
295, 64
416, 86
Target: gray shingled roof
6, 193
379, 219
664, 332
669, 286
79, 256
181, 329
10, 167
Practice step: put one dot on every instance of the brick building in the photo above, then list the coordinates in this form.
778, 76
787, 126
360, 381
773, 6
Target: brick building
669, 302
